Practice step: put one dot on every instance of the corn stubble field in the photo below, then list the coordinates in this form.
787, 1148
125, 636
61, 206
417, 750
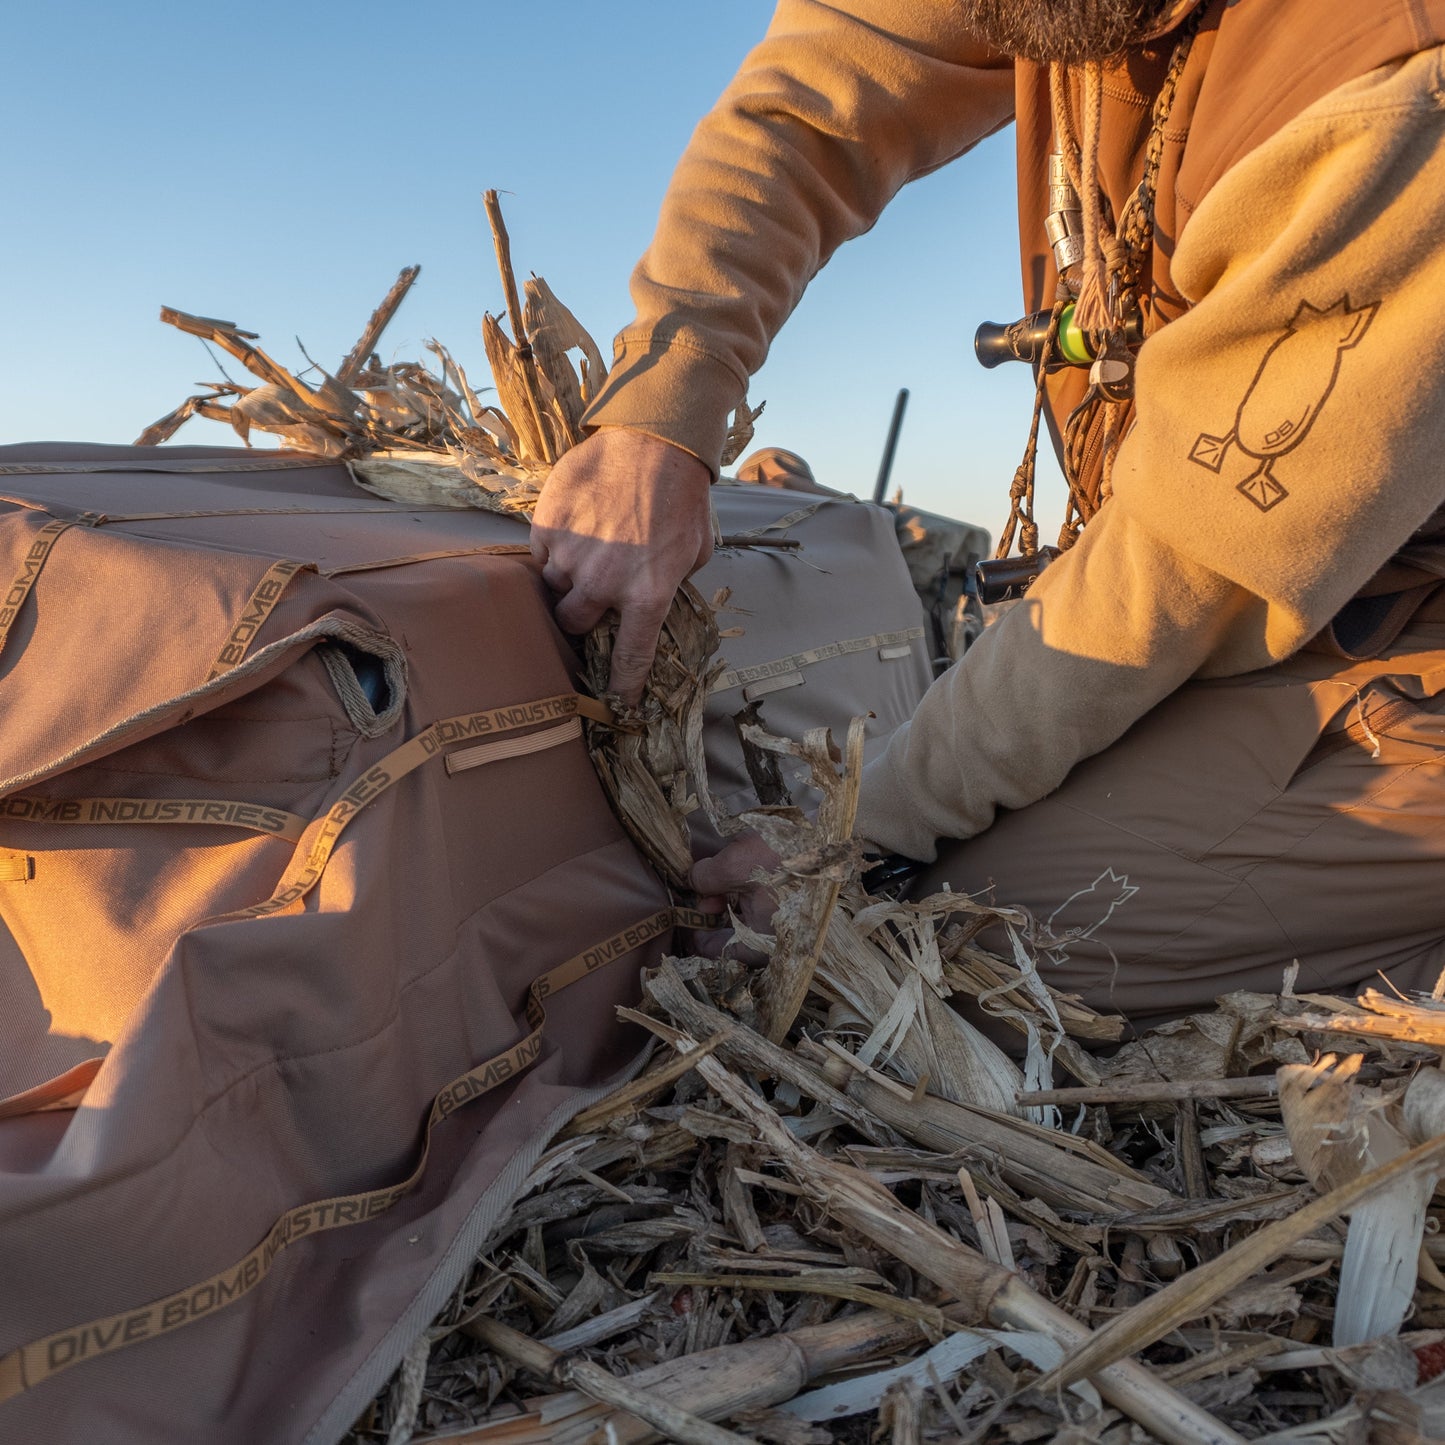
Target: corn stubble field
831, 1208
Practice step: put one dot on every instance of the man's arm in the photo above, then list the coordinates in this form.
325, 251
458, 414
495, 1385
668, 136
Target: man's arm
836, 109
1289, 437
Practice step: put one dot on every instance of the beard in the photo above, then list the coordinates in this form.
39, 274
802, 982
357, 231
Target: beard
1068, 31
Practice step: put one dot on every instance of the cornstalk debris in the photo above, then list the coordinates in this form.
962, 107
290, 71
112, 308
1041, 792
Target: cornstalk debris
818, 1175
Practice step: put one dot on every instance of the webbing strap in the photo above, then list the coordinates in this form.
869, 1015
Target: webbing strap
320, 833
28, 504
268, 462
464, 758
277, 822
754, 690
782, 523
695, 918
259, 606
377, 564
64, 1091
24, 1368
374, 509
315, 846
16, 867
737, 676
30, 1364
19, 589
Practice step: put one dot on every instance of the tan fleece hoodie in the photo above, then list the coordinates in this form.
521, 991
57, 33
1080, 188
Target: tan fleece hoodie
1290, 427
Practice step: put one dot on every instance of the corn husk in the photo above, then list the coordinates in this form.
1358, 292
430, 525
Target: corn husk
1340, 1130
419, 433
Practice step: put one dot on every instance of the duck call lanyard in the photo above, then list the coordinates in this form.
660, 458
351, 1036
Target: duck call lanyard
1125, 252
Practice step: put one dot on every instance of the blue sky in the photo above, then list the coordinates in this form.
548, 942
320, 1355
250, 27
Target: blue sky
277, 164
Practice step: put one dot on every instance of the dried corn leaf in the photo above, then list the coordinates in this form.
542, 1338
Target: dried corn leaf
509, 372
935, 1366
554, 331
1380, 1016
1330, 1119
414, 480
646, 770
1339, 1131
1192, 1294
740, 431
275, 409
816, 858
937, 1045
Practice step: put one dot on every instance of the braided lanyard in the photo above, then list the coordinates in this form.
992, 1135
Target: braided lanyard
1124, 252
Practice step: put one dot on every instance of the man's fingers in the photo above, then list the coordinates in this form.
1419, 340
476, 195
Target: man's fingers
634, 649
756, 908
729, 874
711, 944
622, 519
578, 613
720, 875
732, 870
556, 576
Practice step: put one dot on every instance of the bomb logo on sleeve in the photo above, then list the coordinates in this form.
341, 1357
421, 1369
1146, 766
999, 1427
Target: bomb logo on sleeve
1294, 380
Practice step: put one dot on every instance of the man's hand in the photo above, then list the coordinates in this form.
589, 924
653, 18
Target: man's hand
728, 878
622, 520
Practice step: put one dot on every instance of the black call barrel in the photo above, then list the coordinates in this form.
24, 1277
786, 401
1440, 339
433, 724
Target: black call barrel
1005, 578
1021, 340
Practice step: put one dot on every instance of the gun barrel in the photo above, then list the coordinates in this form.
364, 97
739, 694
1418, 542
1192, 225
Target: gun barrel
885, 467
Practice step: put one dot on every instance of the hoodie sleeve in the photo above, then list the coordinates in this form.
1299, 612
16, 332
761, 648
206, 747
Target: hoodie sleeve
837, 108
1288, 440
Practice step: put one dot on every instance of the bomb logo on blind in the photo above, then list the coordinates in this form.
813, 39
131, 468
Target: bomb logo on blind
1293, 382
